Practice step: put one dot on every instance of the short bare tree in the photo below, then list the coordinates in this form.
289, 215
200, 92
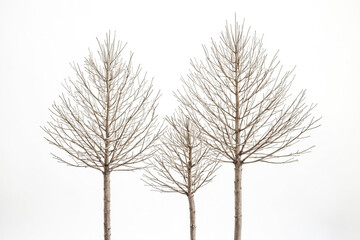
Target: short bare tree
239, 100
181, 163
107, 122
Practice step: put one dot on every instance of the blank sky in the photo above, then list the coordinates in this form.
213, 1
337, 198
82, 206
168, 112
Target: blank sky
316, 198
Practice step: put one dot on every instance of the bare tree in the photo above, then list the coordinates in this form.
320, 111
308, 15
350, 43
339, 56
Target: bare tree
181, 163
107, 122
239, 99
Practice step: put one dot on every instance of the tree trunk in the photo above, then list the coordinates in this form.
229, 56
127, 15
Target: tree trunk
238, 201
107, 226
190, 193
192, 217
237, 162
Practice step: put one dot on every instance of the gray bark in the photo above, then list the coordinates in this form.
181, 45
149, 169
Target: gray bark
192, 217
237, 162
107, 226
190, 193
238, 201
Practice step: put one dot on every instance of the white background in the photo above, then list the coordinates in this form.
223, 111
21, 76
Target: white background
316, 198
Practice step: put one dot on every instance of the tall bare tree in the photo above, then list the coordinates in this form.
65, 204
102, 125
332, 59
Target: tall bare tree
107, 122
181, 163
239, 99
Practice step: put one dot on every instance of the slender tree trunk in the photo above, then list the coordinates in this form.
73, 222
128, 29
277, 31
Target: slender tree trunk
192, 211
192, 217
107, 226
237, 162
190, 192
238, 201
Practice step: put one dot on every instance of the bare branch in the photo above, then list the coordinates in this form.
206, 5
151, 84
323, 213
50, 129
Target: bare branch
108, 119
181, 162
238, 98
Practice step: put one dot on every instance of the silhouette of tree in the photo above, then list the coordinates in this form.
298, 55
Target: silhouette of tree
107, 121
181, 163
239, 100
